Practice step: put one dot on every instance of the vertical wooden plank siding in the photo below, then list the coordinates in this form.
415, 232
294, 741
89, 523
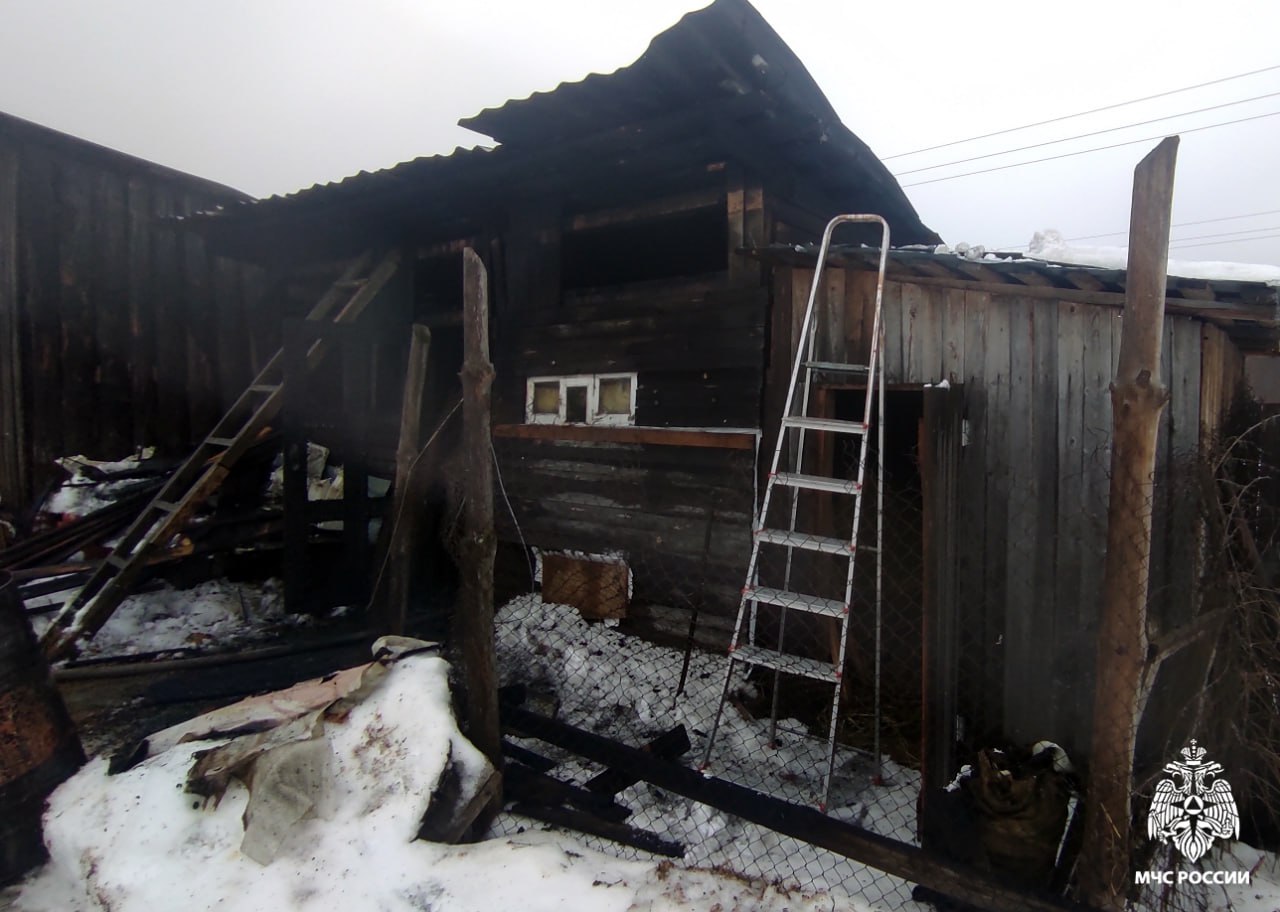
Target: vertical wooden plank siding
832, 326
77, 349
1182, 530
13, 465
953, 335
42, 368
111, 315
998, 425
172, 428
201, 332
141, 314
1212, 382
895, 306
1071, 521
1020, 693
976, 644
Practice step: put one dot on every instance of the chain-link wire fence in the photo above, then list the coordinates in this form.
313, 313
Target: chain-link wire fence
640, 555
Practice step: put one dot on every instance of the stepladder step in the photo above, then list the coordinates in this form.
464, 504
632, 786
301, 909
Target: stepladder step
834, 425
836, 367
810, 604
785, 663
804, 541
817, 483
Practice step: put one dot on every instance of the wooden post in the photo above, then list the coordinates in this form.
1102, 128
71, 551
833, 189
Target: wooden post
406, 507
474, 617
14, 481
1136, 402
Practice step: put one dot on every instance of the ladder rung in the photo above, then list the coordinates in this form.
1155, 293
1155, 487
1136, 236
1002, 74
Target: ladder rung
817, 483
804, 541
117, 561
836, 367
835, 425
798, 601
165, 506
788, 664
219, 441
264, 388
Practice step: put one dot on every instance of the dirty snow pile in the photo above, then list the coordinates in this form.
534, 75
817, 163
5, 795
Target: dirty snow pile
1049, 245
625, 688
136, 842
214, 613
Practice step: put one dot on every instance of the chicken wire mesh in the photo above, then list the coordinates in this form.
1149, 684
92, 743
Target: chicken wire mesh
629, 642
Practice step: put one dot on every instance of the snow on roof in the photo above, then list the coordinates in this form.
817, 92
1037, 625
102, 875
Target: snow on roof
1049, 246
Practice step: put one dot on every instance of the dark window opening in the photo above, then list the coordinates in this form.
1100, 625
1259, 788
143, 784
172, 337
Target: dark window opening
575, 405
437, 286
684, 244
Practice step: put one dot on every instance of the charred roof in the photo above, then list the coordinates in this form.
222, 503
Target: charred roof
720, 83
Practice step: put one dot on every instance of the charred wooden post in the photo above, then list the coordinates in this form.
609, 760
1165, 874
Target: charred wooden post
406, 515
477, 546
39, 747
1136, 401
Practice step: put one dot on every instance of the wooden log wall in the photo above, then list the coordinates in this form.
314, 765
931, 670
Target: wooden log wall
1033, 475
652, 502
118, 329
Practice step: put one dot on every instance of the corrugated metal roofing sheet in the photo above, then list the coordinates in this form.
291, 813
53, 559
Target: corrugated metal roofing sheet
1248, 311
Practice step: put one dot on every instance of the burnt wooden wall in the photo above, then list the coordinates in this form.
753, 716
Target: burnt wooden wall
687, 313
1033, 480
117, 329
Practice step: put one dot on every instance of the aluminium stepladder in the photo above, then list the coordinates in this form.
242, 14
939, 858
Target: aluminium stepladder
203, 472
795, 426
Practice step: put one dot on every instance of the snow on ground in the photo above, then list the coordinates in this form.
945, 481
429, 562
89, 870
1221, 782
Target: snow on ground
136, 842
625, 688
1049, 245
218, 613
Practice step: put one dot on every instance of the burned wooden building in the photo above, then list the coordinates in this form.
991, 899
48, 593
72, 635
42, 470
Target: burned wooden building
647, 239
631, 330
116, 329
645, 234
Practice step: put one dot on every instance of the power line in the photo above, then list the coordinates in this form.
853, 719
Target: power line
1224, 218
1196, 237
1221, 218
1131, 142
1110, 107
1054, 142
1265, 237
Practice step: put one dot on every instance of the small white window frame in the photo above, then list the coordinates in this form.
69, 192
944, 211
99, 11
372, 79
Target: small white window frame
592, 384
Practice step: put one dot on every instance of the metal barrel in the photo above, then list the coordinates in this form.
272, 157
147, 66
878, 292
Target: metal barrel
39, 747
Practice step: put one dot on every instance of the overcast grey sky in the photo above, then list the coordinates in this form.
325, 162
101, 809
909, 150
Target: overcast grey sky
272, 95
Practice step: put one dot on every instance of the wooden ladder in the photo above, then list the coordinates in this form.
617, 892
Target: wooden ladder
204, 470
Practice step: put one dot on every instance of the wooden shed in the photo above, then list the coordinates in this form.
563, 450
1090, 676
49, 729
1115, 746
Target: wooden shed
116, 330
1012, 535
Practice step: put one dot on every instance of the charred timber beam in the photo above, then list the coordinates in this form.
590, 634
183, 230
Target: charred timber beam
666, 746
806, 824
531, 787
